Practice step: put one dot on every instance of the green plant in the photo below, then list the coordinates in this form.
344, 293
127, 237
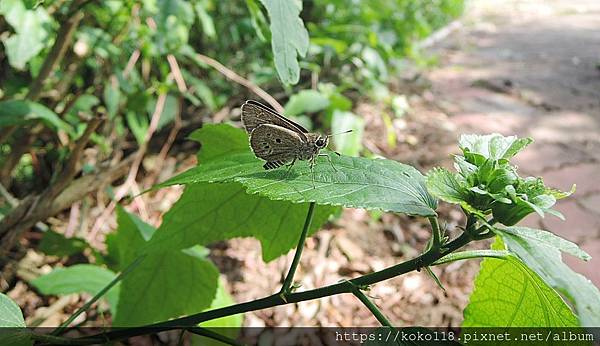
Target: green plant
231, 181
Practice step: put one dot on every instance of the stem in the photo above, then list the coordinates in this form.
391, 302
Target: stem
470, 254
287, 283
371, 306
98, 295
436, 233
213, 335
425, 259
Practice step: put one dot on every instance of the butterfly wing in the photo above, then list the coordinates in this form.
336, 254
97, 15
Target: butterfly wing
275, 144
255, 114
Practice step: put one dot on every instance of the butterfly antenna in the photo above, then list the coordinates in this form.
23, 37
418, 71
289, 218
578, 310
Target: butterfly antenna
339, 133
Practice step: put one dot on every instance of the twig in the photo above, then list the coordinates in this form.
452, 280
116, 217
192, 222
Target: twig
131, 62
63, 39
425, 259
287, 283
176, 73
370, 305
138, 156
70, 170
60, 329
240, 80
10, 199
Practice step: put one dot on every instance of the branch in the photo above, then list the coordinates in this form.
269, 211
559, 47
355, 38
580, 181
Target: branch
416, 263
63, 39
371, 306
240, 80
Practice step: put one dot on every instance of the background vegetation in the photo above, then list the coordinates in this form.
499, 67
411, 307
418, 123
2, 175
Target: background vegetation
89, 89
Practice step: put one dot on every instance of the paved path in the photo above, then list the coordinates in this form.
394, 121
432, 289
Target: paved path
532, 68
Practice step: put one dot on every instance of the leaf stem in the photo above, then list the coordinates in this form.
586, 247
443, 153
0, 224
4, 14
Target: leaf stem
436, 234
60, 329
370, 305
287, 283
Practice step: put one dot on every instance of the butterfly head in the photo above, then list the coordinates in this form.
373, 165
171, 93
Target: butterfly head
321, 141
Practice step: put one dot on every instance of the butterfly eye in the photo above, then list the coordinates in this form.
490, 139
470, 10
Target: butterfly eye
320, 142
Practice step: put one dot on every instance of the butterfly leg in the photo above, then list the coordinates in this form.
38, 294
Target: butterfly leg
289, 168
330, 162
311, 164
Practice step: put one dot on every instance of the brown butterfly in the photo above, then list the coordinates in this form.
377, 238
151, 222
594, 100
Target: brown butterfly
279, 140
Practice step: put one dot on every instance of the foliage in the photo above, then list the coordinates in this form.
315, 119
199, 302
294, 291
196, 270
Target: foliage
486, 183
144, 66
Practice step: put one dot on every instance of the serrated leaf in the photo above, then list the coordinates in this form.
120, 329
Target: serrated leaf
289, 37
166, 284
347, 143
493, 146
538, 236
509, 294
12, 324
206, 213
356, 182
306, 101
79, 278
444, 185
541, 253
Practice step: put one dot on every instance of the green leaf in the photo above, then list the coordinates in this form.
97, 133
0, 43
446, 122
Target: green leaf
20, 112
356, 182
259, 22
12, 324
30, 35
207, 213
56, 244
228, 326
347, 143
10, 313
208, 26
212, 137
289, 37
538, 236
541, 253
79, 278
306, 101
509, 294
166, 284
444, 185
494, 146
112, 96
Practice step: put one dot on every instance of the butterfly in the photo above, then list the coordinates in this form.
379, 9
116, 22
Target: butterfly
279, 140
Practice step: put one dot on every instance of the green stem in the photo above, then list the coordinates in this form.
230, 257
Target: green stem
287, 283
435, 233
98, 295
371, 306
213, 335
425, 259
470, 254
